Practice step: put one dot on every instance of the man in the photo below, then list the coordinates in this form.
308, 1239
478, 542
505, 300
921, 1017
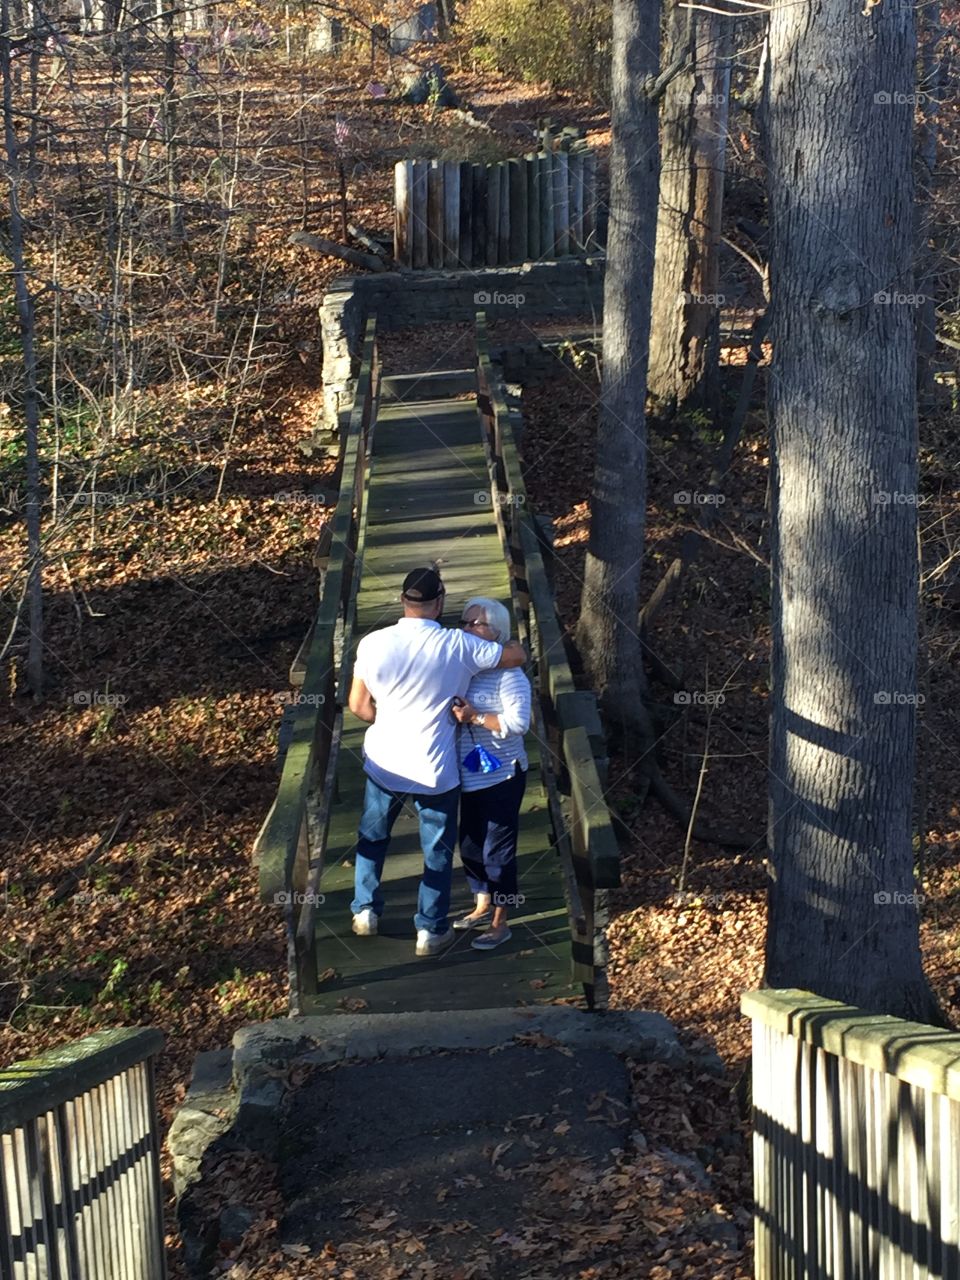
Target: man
404, 682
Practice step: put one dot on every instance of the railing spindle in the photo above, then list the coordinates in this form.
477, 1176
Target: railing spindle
126, 1206
25, 1207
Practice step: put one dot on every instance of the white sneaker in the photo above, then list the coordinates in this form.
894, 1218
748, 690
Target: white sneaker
428, 944
365, 924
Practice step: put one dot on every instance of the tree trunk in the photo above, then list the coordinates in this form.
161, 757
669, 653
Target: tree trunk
31, 403
930, 74
170, 111
842, 402
607, 634
684, 336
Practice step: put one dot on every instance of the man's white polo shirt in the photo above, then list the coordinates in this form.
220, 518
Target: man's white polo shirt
413, 671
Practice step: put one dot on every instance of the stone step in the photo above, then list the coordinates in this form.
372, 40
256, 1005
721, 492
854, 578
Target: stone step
348, 1105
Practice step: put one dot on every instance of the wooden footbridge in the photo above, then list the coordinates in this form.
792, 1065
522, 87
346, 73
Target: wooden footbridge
431, 471
856, 1116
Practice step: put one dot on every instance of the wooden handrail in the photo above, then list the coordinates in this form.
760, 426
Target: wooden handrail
587, 843
282, 848
912, 1051
306, 930
593, 832
37, 1085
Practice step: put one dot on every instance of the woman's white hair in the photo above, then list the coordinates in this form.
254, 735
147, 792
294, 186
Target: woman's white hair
496, 615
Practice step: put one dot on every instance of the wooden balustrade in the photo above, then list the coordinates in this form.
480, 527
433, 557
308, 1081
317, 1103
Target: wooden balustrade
856, 1142
80, 1191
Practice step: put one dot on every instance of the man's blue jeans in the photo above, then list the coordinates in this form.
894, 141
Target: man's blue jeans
438, 834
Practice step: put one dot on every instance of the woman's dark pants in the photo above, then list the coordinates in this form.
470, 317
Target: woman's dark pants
489, 822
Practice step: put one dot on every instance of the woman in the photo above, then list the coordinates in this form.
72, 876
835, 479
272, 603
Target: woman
493, 775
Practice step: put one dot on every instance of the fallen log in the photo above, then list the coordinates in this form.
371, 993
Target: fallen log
330, 249
367, 240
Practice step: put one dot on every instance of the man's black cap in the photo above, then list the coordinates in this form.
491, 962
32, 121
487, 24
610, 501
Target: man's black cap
422, 585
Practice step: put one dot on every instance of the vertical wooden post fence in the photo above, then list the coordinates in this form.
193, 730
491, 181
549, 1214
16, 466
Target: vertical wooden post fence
461, 215
80, 1192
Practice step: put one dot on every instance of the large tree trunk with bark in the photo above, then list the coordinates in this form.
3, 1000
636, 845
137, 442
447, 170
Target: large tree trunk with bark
684, 336
839, 139
607, 634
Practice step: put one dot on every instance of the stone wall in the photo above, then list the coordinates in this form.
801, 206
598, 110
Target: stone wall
404, 299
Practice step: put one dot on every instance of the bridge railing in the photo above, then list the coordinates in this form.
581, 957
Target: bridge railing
80, 1190
567, 721
290, 845
856, 1150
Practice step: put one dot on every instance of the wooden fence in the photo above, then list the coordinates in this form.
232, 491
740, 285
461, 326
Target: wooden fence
856, 1142
289, 845
566, 720
80, 1193
451, 214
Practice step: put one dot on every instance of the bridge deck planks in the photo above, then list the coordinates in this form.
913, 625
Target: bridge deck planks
428, 466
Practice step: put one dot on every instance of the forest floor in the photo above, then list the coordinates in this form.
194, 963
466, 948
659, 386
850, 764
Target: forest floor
172, 613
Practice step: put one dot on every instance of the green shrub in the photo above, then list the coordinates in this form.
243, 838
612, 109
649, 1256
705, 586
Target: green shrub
563, 43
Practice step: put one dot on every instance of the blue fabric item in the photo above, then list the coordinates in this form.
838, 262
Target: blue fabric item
438, 833
479, 760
